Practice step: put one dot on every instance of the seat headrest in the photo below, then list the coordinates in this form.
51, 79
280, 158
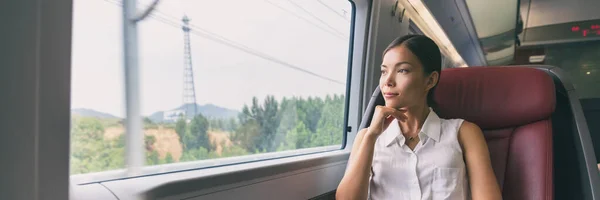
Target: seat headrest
495, 97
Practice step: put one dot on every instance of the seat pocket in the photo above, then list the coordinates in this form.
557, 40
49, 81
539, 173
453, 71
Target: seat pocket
447, 184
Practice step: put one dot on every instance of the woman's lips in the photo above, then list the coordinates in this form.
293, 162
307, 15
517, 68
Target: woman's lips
389, 95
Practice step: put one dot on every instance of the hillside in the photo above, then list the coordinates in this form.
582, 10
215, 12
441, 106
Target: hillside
167, 140
84, 112
219, 139
208, 111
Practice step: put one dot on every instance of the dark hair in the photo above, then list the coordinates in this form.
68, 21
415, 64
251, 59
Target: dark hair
426, 51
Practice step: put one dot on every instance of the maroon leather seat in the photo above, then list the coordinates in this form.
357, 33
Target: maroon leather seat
512, 105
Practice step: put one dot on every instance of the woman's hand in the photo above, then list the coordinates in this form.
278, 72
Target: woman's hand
355, 184
382, 118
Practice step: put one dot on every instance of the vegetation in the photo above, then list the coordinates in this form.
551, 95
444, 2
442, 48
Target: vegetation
293, 123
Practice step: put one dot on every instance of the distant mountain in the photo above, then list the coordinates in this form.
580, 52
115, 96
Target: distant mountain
92, 113
208, 110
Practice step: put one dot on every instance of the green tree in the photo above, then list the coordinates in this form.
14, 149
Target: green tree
234, 151
312, 108
230, 151
296, 138
227, 125
215, 124
197, 134
149, 141
169, 158
120, 143
152, 158
265, 119
232, 125
246, 135
180, 128
148, 123
90, 152
330, 129
269, 123
289, 116
295, 123
194, 154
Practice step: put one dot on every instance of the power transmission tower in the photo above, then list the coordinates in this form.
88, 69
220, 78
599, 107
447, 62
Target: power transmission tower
189, 93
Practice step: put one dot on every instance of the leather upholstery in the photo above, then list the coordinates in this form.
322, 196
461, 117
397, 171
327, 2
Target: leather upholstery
495, 97
512, 105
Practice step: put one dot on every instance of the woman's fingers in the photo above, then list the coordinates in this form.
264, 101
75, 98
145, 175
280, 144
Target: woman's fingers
398, 114
387, 121
382, 118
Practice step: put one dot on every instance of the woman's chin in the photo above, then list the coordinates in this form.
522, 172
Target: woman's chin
393, 105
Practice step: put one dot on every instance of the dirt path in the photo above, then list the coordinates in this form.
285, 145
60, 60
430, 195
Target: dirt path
220, 140
167, 140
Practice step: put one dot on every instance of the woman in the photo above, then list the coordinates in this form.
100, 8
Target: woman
408, 152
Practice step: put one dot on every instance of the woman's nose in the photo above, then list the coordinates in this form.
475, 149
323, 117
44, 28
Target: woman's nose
389, 81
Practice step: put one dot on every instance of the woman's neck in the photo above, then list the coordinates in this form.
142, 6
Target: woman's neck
416, 116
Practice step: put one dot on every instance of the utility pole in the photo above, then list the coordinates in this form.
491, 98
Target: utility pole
189, 92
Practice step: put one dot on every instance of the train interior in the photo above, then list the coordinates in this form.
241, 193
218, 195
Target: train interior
262, 99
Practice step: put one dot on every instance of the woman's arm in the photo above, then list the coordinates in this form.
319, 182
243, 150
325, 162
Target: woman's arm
355, 184
479, 167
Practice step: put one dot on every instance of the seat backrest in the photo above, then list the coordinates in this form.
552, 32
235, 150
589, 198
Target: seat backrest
512, 105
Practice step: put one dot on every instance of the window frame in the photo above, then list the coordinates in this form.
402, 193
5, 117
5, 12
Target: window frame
312, 157
162, 169
204, 181
333, 160
36, 103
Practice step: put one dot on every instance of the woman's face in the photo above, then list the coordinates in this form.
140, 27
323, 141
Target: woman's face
403, 82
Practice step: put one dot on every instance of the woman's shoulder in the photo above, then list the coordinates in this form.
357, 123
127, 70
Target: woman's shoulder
459, 131
467, 126
453, 124
460, 125
470, 132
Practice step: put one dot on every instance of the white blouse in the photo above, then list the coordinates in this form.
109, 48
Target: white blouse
434, 170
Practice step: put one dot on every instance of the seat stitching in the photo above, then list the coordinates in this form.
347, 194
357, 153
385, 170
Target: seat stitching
512, 132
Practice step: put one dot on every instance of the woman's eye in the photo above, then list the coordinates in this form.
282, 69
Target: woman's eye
382, 71
402, 71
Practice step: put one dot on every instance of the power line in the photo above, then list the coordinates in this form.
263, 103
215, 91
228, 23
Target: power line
258, 53
203, 31
317, 18
336, 34
333, 10
224, 41
219, 36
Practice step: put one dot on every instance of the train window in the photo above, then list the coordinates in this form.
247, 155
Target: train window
219, 83
97, 95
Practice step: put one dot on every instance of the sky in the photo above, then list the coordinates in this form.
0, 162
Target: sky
310, 34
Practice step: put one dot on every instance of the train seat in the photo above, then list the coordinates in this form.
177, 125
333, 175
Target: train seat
513, 106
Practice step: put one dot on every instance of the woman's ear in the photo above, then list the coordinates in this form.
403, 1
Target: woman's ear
432, 80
